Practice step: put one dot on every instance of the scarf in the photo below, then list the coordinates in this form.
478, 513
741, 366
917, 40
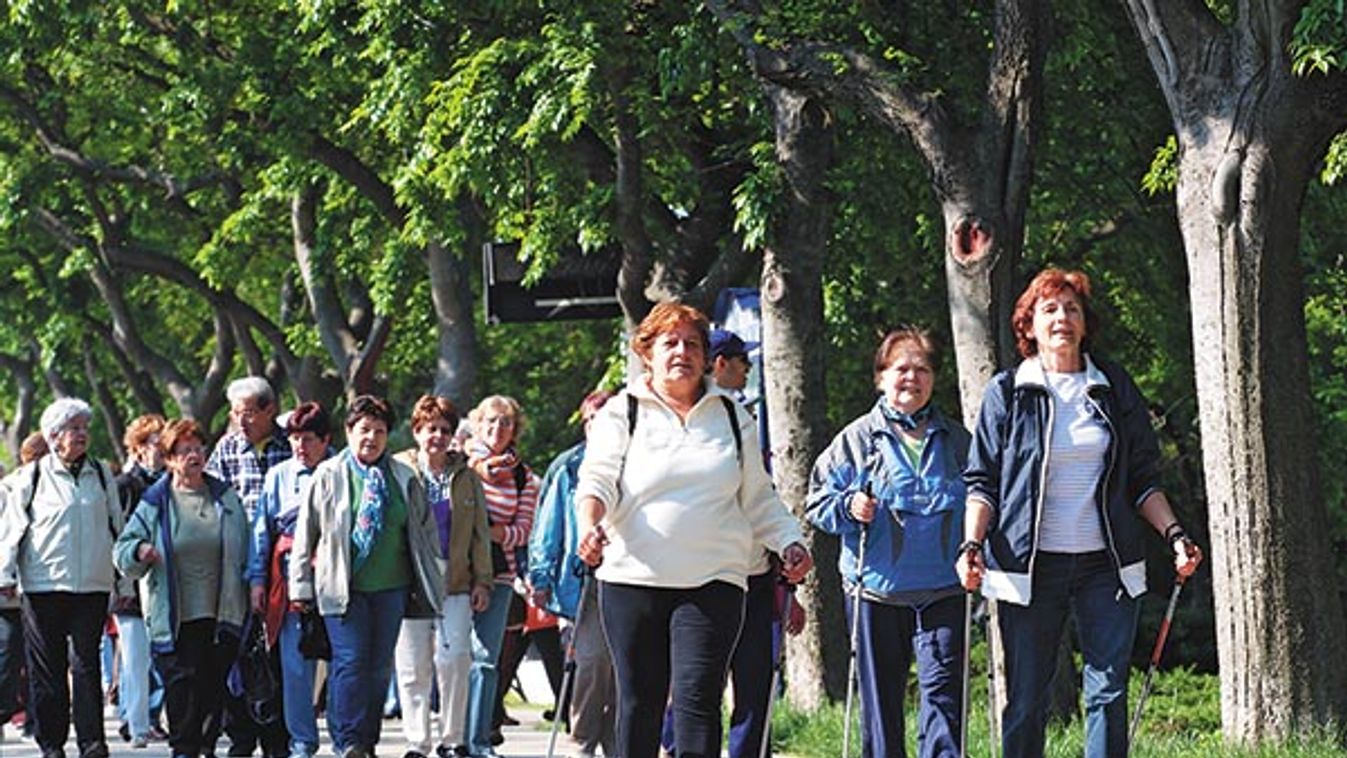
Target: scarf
905, 421
369, 512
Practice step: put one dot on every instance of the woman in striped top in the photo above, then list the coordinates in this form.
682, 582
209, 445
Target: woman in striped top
511, 490
1063, 479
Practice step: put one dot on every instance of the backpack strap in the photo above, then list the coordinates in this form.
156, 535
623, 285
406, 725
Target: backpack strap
631, 413
734, 429
102, 485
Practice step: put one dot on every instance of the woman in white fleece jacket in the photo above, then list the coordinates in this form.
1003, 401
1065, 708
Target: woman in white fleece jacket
675, 506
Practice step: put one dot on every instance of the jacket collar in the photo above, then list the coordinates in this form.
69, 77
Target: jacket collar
160, 492
875, 418
641, 389
1030, 373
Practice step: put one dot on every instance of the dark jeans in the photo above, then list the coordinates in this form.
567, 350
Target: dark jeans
54, 625
889, 639
661, 637
751, 668
363, 640
194, 686
1085, 585
11, 659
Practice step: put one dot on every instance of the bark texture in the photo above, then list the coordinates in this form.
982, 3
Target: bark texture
1251, 134
792, 320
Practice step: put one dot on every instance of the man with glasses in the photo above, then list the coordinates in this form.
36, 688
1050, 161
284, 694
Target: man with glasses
242, 457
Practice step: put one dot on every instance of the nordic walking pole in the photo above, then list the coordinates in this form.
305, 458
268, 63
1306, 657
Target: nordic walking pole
967, 671
569, 674
1155, 656
765, 747
855, 636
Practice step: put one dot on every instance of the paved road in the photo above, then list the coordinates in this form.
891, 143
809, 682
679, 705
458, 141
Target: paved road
528, 740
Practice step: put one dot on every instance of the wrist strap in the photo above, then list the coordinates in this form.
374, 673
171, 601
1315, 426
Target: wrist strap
971, 546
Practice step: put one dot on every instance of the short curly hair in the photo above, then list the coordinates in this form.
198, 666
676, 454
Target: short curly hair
309, 417
433, 407
664, 318
1049, 282
369, 406
141, 429
178, 430
906, 335
498, 402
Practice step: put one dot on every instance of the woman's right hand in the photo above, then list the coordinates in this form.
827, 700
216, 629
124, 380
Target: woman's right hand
970, 568
146, 553
591, 545
861, 507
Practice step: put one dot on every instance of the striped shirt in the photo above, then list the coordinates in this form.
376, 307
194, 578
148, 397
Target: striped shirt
508, 504
1071, 516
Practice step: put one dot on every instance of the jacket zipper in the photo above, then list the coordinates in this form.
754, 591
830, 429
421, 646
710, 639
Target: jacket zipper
1101, 495
1042, 483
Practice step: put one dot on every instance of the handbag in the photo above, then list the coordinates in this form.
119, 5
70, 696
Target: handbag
254, 678
313, 641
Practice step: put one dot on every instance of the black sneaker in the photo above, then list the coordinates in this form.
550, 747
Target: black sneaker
96, 750
413, 754
451, 751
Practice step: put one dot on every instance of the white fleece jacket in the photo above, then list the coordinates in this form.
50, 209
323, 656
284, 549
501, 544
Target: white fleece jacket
681, 509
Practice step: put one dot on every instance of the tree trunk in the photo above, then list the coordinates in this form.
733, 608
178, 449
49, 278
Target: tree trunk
456, 360
792, 322
1250, 135
1279, 621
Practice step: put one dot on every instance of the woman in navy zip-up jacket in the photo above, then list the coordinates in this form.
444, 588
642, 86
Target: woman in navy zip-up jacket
891, 477
1062, 478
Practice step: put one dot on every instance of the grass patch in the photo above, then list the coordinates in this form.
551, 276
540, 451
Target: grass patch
1182, 720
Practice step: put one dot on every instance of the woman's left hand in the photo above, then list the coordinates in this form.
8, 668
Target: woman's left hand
795, 563
498, 533
1187, 557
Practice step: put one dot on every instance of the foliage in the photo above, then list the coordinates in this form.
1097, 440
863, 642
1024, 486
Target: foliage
1319, 40
1182, 720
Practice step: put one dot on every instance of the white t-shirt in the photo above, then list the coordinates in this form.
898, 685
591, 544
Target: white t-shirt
1078, 445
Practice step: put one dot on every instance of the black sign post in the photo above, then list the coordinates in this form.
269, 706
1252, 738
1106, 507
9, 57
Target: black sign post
576, 287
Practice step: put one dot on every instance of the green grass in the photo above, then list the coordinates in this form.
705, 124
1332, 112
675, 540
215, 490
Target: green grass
1182, 720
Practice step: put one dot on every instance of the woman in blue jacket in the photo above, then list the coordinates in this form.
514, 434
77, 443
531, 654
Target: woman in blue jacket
891, 477
1062, 479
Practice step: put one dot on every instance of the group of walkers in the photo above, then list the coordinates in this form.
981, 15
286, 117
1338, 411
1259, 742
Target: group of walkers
659, 539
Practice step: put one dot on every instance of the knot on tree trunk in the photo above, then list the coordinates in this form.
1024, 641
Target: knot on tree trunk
971, 241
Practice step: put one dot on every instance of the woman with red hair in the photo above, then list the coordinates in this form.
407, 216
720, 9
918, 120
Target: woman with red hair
1063, 478
674, 502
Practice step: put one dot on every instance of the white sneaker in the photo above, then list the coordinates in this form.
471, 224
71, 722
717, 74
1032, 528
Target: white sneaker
140, 741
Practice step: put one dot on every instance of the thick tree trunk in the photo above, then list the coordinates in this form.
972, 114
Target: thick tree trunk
1250, 134
792, 320
1279, 619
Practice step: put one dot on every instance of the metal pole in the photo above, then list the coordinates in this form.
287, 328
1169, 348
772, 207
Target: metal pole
559, 715
855, 634
764, 748
1155, 657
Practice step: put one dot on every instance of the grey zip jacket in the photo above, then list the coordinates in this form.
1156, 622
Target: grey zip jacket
320, 561
62, 542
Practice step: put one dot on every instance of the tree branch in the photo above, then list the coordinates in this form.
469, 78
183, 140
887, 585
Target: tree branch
175, 190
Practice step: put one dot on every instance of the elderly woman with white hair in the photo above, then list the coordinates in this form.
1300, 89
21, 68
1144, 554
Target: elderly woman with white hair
59, 524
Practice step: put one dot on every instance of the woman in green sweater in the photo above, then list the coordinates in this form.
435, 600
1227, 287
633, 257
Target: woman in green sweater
364, 541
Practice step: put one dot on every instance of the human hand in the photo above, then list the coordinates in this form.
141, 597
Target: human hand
1187, 556
498, 533
538, 596
146, 553
795, 563
861, 507
257, 597
970, 568
480, 598
301, 606
9, 591
591, 546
